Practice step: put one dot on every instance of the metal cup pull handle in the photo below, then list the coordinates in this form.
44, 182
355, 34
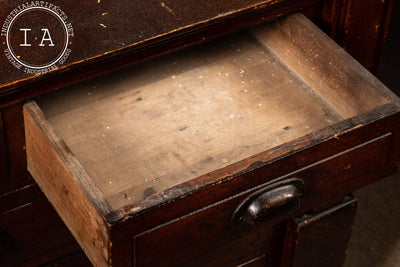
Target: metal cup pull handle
271, 202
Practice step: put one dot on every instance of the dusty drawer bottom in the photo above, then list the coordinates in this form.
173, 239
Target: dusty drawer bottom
169, 149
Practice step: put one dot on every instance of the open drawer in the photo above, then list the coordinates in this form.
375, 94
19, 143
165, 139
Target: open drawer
147, 166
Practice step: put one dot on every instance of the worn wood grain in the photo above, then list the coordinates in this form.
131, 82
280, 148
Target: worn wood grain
334, 16
171, 120
360, 28
208, 227
229, 105
365, 30
322, 64
63, 180
209, 238
125, 29
175, 207
333, 160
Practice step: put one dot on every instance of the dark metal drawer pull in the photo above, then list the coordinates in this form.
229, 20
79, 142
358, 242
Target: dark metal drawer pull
271, 202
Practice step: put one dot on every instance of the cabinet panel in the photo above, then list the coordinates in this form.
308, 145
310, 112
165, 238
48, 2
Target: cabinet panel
3, 155
15, 152
360, 30
320, 239
33, 234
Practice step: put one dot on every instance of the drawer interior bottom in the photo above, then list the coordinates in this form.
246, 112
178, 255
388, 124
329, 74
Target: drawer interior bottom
172, 119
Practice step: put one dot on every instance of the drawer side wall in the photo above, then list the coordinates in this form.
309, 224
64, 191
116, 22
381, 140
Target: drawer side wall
50, 164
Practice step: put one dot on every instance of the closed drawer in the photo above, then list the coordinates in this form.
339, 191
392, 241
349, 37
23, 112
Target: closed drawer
148, 166
211, 237
33, 234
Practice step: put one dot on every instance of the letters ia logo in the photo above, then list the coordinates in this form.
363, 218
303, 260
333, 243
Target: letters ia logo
37, 37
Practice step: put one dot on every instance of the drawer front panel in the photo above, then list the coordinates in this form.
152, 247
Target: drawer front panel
192, 237
204, 237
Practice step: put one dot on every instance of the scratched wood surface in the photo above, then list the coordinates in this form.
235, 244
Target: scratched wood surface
131, 135
62, 180
323, 65
173, 119
103, 30
170, 120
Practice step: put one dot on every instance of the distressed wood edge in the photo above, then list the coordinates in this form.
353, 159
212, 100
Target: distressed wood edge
34, 111
67, 186
385, 138
223, 175
26, 89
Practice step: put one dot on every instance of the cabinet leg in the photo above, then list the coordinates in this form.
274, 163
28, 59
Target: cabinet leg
320, 239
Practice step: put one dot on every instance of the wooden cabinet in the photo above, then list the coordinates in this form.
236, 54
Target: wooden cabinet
323, 235
150, 165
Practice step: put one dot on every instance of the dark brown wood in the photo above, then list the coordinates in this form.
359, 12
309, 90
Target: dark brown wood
78, 259
257, 262
359, 145
14, 127
13, 123
367, 29
320, 239
19, 197
3, 154
32, 227
360, 27
275, 250
208, 238
134, 34
224, 82
168, 212
31, 240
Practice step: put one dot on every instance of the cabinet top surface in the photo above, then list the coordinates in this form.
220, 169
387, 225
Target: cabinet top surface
40, 40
